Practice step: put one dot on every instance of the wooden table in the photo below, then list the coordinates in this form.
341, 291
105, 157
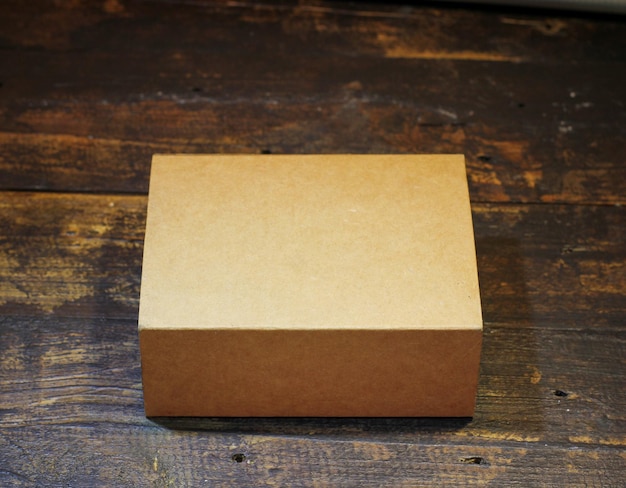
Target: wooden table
89, 90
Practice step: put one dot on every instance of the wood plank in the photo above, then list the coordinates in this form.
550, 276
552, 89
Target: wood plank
542, 265
71, 254
551, 265
155, 457
543, 157
430, 31
389, 81
76, 382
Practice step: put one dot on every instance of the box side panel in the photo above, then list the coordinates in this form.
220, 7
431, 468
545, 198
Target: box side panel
384, 373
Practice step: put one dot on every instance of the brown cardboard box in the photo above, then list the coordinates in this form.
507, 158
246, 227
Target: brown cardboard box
326, 285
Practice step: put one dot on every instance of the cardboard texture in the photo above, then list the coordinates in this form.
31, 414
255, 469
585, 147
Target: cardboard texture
317, 285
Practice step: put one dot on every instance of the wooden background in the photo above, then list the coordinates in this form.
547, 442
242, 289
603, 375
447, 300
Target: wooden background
89, 90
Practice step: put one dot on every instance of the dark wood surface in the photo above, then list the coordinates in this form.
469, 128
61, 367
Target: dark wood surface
535, 99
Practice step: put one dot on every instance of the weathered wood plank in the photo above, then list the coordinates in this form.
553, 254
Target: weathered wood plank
396, 30
71, 382
72, 254
551, 158
548, 265
153, 457
545, 265
316, 79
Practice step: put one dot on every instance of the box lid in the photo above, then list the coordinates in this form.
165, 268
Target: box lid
309, 241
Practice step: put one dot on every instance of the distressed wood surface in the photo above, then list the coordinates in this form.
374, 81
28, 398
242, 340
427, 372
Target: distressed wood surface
554, 266
105, 85
550, 408
90, 89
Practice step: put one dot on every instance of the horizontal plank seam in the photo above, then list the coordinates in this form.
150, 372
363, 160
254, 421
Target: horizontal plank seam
121, 193
553, 203
56, 192
486, 443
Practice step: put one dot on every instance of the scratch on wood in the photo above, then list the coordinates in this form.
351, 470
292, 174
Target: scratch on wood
501, 436
402, 52
602, 277
532, 177
549, 27
607, 441
535, 376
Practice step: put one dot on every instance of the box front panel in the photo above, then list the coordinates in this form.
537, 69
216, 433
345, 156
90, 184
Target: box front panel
310, 372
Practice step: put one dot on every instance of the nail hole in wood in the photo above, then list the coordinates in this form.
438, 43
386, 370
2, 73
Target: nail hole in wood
484, 158
239, 457
560, 393
473, 460
266, 151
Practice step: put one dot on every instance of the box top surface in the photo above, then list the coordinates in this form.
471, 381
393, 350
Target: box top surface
315, 241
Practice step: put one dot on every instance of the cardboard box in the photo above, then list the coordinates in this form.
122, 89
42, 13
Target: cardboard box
317, 285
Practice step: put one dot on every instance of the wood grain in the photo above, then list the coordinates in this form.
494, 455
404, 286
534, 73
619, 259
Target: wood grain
71, 254
555, 266
90, 89
87, 392
323, 79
